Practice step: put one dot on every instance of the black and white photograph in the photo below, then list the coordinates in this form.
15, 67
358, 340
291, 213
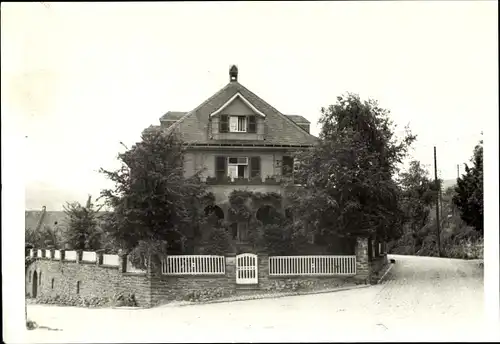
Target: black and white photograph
244, 172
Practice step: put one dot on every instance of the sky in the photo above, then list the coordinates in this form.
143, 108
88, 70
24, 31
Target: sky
78, 79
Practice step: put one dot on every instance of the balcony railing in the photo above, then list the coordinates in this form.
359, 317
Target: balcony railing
270, 180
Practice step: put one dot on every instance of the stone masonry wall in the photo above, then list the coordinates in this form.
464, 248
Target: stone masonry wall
57, 277
167, 288
363, 267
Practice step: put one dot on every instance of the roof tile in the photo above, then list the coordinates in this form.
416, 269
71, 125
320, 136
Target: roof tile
281, 129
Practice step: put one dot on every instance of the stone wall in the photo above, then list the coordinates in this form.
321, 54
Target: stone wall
86, 279
93, 279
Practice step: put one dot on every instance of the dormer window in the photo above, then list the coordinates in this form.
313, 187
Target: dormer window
237, 124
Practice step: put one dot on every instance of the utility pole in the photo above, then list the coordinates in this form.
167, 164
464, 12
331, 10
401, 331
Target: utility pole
458, 171
437, 203
441, 200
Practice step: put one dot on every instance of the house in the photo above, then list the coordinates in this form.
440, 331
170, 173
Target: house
240, 142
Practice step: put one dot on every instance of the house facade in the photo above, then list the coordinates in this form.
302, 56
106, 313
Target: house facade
240, 142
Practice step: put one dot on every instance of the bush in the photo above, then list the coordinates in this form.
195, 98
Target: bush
124, 300
274, 240
74, 300
206, 294
218, 242
297, 285
28, 261
118, 300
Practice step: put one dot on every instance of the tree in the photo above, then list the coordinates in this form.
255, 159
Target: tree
83, 232
349, 187
469, 191
153, 202
419, 195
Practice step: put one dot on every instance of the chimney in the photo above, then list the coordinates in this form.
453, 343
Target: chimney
233, 73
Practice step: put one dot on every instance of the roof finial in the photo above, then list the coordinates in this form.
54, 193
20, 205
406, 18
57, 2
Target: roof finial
233, 73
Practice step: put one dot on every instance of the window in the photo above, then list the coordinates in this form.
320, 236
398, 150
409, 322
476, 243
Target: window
252, 124
238, 124
287, 166
52, 284
78, 287
220, 167
255, 166
237, 167
40, 280
224, 124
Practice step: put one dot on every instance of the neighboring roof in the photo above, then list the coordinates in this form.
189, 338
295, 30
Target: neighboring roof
31, 218
193, 126
172, 116
298, 119
52, 218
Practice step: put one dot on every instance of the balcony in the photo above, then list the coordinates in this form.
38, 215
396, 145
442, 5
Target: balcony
269, 180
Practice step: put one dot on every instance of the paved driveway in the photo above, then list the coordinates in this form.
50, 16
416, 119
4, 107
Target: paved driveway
421, 298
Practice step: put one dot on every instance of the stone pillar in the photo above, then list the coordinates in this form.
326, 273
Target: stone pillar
363, 272
79, 254
99, 257
376, 248
63, 254
231, 269
122, 261
43, 253
263, 266
52, 250
35, 252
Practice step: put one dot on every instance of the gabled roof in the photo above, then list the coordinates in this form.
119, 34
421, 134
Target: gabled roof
237, 95
193, 126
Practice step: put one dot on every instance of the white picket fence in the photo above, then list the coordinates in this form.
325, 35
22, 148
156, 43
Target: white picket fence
194, 265
70, 255
89, 256
110, 259
312, 265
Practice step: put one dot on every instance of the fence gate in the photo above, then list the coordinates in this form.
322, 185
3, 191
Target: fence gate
246, 269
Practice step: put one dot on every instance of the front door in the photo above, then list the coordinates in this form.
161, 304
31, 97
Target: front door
35, 284
246, 269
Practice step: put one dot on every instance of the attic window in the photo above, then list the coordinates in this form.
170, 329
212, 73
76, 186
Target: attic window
237, 124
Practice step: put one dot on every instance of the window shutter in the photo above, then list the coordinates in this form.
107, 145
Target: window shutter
252, 124
255, 166
220, 167
224, 123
